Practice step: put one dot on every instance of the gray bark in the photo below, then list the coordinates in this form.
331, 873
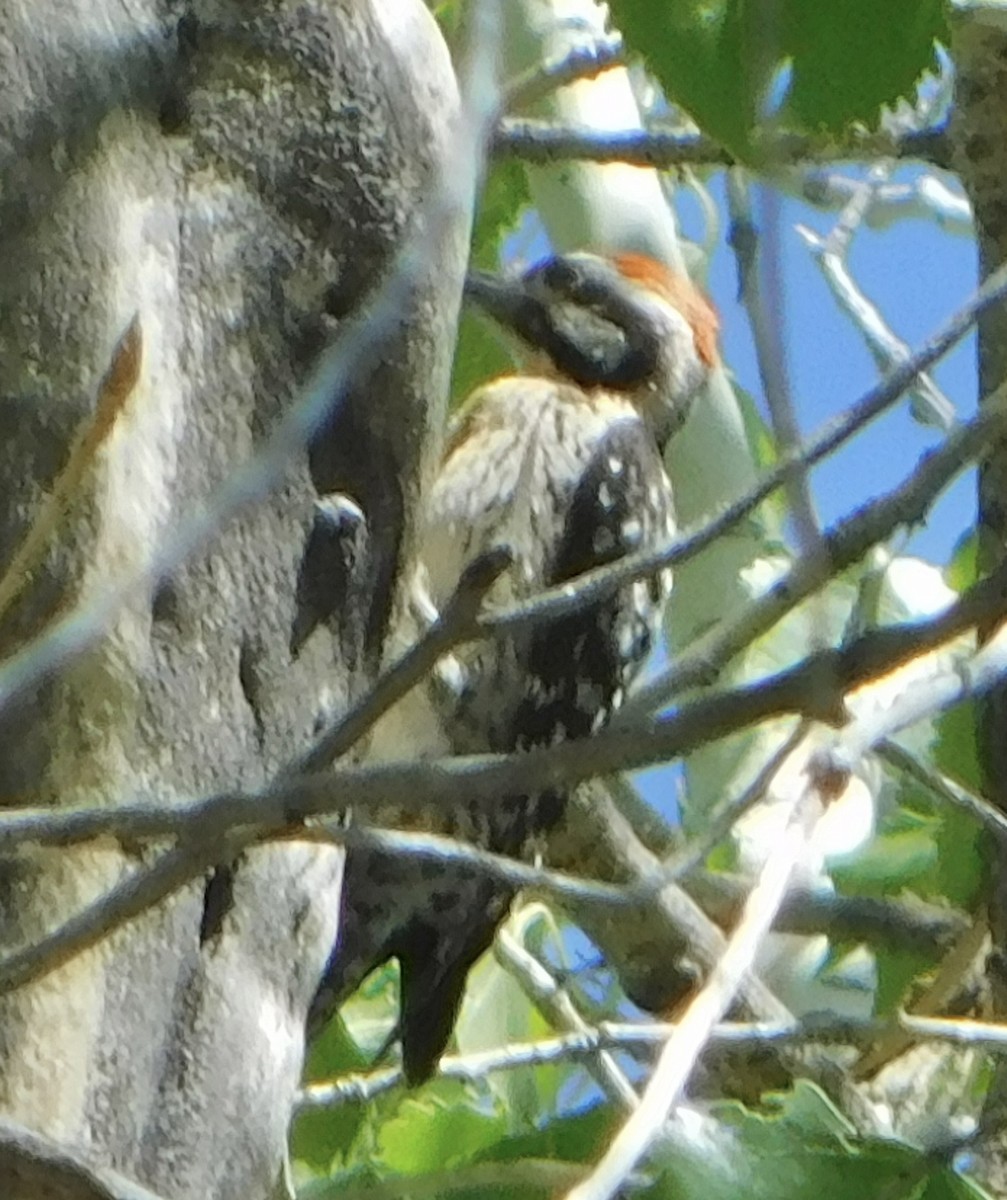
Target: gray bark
238, 173
980, 157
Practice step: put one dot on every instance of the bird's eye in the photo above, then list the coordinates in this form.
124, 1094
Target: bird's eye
562, 275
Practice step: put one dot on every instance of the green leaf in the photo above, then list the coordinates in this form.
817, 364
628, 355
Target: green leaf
574, 1138
317, 1137
805, 1149
956, 748
437, 1129
503, 200
963, 569
849, 59
496, 1012
718, 58
958, 872
479, 356
890, 863
703, 60
897, 969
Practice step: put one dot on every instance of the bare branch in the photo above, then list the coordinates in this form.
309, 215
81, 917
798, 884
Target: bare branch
511, 871
278, 811
928, 403
683, 1048
846, 543
583, 62
603, 582
608, 1035
928, 196
815, 687
539, 985
457, 623
901, 924
545, 142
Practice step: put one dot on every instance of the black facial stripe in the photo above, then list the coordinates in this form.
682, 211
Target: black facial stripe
621, 362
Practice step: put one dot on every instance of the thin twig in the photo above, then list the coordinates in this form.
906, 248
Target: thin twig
845, 544
581, 63
603, 582
482, 779
902, 924
973, 675
721, 821
940, 785
927, 402
457, 623
447, 851
927, 196
960, 1031
683, 1048
609, 1035
553, 1000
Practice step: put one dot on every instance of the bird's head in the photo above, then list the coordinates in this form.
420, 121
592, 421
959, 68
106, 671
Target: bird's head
624, 323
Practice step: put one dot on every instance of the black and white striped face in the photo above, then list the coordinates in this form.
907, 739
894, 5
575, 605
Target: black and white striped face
624, 324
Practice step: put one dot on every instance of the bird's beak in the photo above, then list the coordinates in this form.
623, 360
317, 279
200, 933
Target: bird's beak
503, 299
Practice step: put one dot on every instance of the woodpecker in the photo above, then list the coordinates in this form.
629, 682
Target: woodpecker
562, 464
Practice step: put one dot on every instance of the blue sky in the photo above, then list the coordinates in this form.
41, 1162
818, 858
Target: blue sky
917, 274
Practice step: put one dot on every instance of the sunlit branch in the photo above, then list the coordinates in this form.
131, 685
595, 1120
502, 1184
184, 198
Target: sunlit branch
927, 197
611, 1035
221, 826
944, 788
683, 1049
603, 582
928, 403
902, 924
545, 142
415, 786
554, 1001
681, 926
583, 62
846, 543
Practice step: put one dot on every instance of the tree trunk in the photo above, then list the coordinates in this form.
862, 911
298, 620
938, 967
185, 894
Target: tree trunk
238, 174
980, 147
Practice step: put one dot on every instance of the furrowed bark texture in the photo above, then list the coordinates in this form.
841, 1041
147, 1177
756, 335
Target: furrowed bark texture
979, 131
238, 174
